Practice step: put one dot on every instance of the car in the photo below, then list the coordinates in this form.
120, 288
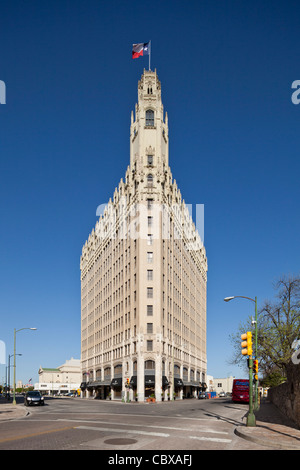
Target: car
202, 395
222, 394
33, 397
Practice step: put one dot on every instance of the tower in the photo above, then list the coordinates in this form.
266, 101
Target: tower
143, 275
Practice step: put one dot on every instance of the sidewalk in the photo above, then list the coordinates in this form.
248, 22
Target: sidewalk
9, 411
273, 429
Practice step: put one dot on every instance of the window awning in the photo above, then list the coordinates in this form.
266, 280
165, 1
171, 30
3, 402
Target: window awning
116, 382
149, 379
178, 382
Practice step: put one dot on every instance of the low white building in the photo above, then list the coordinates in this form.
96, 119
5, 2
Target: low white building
219, 385
60, 380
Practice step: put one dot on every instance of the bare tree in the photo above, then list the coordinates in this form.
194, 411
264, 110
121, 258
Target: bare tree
278, 327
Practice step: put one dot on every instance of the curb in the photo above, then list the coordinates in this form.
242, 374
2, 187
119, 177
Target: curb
9, 412
258, 436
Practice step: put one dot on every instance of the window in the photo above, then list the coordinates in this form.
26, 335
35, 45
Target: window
150, 159
149, 345
149, 365
150, 292
150, 180
149, 118
149, 257
149, 204
149, 239
149, 274
149, 327
149, 310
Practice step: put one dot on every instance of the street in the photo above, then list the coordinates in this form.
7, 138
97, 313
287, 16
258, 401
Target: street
80, 424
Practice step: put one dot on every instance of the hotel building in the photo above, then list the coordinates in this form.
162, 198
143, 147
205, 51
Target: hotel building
143, 276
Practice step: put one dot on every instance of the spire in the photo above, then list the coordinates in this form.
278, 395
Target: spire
148, 131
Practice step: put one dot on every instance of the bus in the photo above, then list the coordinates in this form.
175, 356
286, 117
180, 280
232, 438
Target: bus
240, 390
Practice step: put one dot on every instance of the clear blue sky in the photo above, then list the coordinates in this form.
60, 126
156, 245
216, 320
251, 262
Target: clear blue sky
226, 70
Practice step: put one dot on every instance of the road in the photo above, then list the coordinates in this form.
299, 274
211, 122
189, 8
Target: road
80, 424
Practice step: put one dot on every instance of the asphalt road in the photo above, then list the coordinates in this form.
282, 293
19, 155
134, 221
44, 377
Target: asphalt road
80, 424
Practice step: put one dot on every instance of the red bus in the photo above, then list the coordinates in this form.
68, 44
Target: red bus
240, 390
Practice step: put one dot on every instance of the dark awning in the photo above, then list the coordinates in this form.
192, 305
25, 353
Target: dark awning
83, 385
149, 379
99, 383
116, 382
178, 382
165, 381
133, 381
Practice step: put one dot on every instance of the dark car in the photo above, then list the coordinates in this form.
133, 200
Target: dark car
33, 398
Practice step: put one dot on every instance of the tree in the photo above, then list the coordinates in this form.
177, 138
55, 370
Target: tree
278, 328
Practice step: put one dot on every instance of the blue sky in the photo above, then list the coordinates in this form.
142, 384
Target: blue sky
226, 69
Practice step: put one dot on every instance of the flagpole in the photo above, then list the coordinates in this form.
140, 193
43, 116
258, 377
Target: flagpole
149, 54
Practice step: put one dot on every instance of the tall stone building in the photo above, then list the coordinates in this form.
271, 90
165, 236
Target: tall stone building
143, 276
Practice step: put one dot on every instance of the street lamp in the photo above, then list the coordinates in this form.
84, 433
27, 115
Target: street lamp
8, 374
15, 331
227, 299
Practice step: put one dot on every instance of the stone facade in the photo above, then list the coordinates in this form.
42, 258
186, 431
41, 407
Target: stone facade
287, 395
144, 274
62, 379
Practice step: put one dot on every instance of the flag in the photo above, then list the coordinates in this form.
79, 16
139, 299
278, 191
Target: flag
138, 50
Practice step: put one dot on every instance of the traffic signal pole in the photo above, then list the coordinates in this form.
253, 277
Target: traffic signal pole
247, 351
251, 421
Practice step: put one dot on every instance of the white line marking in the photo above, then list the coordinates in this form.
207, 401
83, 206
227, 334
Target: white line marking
96, 428
201, 430
214, 439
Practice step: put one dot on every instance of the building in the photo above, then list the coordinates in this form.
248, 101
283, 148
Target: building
220, 385
143, 276
60, 380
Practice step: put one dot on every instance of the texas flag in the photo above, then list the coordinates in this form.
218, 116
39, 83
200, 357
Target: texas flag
140, 49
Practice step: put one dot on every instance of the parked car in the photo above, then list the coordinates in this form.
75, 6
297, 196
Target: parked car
202, 395
33, 397
222, 394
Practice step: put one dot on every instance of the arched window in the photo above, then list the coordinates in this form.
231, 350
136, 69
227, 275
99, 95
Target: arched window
149, 365
149, 118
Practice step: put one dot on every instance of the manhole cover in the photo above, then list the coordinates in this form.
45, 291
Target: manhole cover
120, 442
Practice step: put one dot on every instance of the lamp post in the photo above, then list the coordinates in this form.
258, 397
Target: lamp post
15, 332
227, 299
8, 370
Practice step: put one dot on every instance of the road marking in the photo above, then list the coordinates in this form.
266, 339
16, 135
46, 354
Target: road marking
36, 434
129, 414
128, 431
213, 439
155, 434
171, 428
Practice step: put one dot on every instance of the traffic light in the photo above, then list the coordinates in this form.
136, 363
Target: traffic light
255, 369
127, 382
247, 343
